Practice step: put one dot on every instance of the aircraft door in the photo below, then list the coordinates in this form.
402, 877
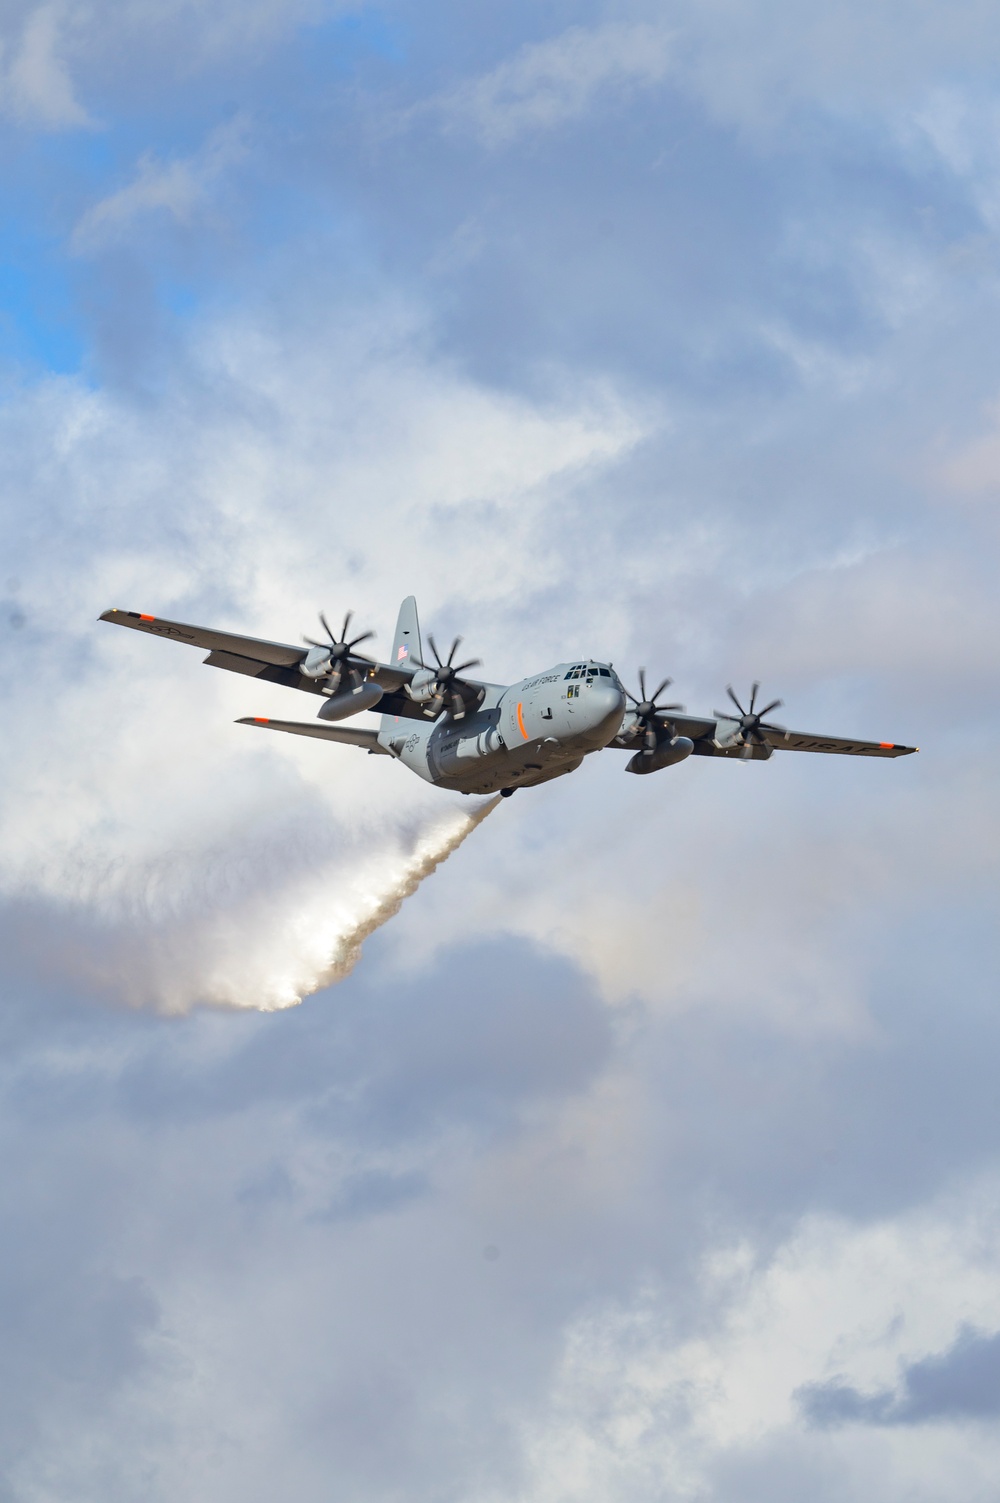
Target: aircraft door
517, 714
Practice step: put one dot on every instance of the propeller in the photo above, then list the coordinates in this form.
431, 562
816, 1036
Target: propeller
446, 677
648, 711
752, 719
338, 650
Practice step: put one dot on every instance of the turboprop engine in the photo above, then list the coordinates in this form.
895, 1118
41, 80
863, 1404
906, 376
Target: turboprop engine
661, 746
341, 672
441, 687
665, 755
748, 731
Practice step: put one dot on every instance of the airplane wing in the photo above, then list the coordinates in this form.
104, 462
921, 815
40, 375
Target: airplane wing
275, 662
251, 648
710, 734
848, 746
347, 735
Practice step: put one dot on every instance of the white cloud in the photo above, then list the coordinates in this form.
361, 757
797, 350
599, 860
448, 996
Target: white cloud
319, 469
636, 1413
180, 188
35, 85
751, 64
546, 84
826, 922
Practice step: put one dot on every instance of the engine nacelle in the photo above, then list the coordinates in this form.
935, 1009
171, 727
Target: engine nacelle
421, 686
316, 663
350, 701
665, 755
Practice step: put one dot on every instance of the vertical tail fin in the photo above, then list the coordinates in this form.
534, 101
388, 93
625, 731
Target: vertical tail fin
406, 646
407, 649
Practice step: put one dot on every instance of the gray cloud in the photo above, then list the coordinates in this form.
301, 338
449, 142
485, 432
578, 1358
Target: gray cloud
547, 84
962, 1383
373, 1192
680, 360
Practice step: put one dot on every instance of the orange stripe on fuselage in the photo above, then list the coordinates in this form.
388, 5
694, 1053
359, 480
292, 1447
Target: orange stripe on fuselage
520, 722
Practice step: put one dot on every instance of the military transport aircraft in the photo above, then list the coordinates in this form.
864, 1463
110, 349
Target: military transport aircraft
470, 736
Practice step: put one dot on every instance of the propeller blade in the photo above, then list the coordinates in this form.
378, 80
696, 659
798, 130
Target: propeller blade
472, 663
732, 696
326, 627
774, 705
753, 696
313, 643
433, 647
454, 648
363, 638
642, 686
657, 692
347, 621
333, 679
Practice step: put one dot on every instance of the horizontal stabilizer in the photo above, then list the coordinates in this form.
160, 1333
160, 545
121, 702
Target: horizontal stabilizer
347, 735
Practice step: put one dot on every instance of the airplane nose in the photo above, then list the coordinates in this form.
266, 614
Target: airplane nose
605, 707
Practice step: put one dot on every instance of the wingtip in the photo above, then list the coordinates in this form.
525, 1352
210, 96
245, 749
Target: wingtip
253, 720
115, 611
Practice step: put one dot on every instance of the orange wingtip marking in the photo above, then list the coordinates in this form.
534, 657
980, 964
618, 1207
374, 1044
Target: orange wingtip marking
887, 745
520, 722
261, 720
146, 618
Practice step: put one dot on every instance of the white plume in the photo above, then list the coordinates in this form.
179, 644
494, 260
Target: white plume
264, 949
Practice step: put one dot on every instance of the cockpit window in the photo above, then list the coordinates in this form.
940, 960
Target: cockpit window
604, 672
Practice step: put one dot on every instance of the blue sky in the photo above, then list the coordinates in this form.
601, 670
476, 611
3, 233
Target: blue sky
651, 1150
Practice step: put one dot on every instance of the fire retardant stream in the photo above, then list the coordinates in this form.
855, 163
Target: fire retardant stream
428, 855
264, 951
322, 943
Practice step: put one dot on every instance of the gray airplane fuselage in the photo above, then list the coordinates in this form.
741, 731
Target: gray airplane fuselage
520, 735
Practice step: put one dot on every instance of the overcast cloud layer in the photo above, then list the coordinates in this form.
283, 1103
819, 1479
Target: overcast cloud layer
651, 1150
